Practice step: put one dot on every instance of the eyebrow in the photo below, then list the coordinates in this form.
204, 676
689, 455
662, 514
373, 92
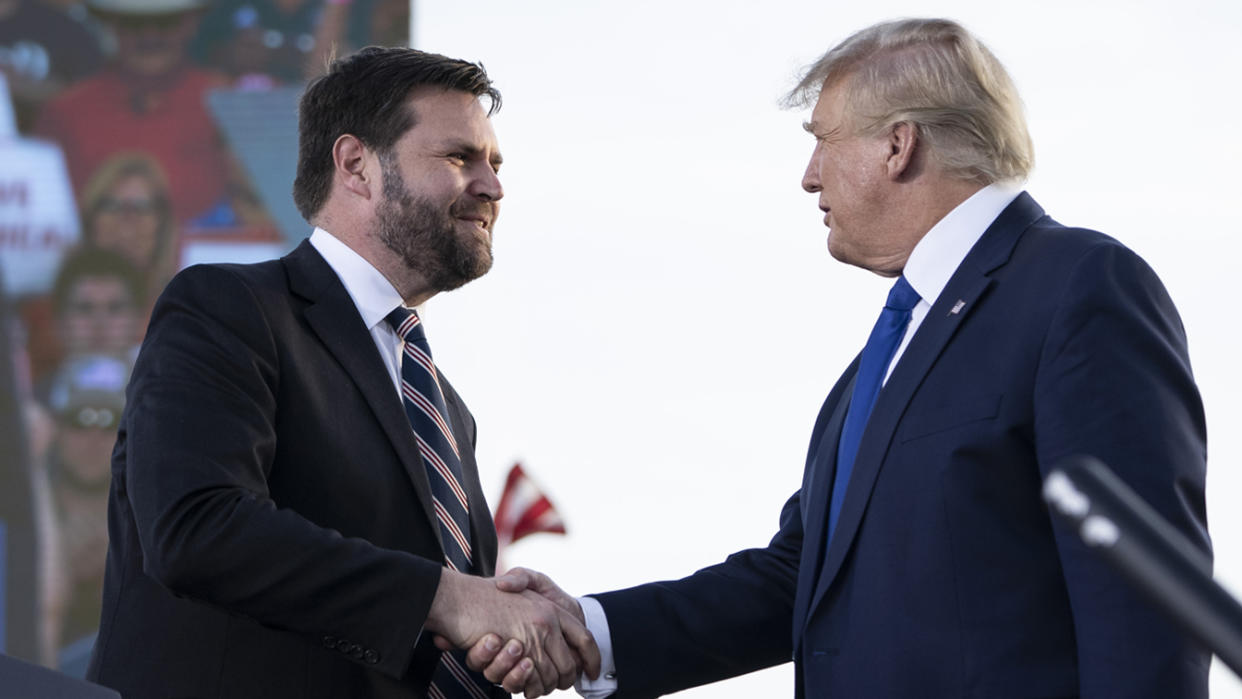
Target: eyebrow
473, 151
816, 129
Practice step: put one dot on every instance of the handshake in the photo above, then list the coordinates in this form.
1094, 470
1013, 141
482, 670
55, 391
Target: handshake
548, 645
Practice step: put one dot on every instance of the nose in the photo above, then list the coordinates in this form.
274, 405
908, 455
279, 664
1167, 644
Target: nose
486, 185
810, 178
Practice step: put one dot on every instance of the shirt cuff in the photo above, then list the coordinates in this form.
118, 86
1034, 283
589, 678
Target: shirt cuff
597, 624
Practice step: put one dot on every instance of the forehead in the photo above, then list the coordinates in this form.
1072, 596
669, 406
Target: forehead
96, 286
130, 183
442, 116
829, 110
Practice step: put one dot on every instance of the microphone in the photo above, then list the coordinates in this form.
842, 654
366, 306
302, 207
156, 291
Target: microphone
1156, 558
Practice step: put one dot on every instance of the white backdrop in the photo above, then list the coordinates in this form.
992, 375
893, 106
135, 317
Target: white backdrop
663, 320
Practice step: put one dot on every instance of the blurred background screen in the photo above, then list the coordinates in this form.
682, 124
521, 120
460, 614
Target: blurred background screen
136, 137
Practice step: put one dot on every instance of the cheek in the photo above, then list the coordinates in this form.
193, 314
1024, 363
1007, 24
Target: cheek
77, 324
119, 331
142, 244
861, 186
88, 449
104, 230
147, 229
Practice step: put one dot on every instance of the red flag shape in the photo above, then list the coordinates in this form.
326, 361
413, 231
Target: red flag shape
524, 509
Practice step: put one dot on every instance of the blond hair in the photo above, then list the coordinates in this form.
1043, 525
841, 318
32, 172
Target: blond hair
934, 74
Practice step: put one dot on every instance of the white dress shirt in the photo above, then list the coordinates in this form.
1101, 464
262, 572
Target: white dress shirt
373, 295
932, 262
940, 252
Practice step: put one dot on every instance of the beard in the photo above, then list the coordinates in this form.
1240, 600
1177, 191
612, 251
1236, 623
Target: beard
425, 236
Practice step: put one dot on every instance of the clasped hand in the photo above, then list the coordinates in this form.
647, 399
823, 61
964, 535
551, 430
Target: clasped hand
524, 633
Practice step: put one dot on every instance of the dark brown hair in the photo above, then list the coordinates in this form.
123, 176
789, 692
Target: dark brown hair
87, 262
364, 95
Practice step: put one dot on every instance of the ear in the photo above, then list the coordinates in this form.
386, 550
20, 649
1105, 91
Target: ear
351, 160
903, 141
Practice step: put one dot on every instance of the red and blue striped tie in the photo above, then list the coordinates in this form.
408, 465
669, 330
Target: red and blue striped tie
425, 408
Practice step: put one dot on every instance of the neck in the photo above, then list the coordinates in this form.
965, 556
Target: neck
926, 206
413, 287
949, 195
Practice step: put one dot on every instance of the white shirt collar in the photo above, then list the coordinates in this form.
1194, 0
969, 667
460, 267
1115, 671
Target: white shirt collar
372, 293
938, 255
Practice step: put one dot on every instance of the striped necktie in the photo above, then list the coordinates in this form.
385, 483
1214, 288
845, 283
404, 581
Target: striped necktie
428, 415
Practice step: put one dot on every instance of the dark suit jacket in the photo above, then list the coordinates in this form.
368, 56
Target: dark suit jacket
271, 526
946, 576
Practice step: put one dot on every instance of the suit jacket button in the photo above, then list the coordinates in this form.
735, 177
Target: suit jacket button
371, 657
355, 651
342, 645
329, 642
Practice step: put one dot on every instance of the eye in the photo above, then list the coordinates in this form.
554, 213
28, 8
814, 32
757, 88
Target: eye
458, 158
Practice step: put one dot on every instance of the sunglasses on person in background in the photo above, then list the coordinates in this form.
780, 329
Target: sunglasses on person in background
102, 308
135, 207
86, 418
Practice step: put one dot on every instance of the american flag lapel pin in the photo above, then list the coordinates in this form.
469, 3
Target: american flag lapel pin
957, 307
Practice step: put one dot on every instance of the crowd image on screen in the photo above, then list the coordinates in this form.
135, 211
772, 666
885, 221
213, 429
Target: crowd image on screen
122, 88
149, 98
43, 50
265, 42
97, 305
125, 209
85, 399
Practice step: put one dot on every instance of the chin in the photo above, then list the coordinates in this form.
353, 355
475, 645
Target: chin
838, 253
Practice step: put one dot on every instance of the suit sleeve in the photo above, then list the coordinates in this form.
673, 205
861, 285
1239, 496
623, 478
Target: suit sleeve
1114, 382
200, 443
723, 621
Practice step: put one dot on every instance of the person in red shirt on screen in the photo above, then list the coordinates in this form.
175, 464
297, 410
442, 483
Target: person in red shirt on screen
149, 99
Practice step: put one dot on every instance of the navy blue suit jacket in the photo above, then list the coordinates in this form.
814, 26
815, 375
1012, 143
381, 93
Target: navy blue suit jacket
946, 576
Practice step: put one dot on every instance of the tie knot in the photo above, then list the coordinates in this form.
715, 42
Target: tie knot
902, 297
405, 321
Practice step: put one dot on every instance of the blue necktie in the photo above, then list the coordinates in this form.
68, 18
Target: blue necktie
425, 408
889, 328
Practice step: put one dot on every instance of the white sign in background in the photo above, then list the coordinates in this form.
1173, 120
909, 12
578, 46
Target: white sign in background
38, 218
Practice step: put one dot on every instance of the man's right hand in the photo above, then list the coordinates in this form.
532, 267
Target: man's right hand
470, 611
506, 666
519, 579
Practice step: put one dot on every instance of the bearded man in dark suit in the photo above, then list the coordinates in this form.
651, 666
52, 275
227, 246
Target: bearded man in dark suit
282, 524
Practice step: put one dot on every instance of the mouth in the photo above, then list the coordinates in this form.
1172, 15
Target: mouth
480, 222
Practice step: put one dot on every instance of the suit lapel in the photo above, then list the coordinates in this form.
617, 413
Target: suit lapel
968, 285
334, 318
484, 548
816, 488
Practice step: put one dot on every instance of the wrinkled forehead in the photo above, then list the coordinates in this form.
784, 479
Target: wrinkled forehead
831, 106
